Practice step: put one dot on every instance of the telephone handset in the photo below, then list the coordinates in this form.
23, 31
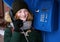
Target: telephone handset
11, 15
16, 22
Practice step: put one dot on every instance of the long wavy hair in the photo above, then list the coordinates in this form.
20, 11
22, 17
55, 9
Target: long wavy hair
29, 18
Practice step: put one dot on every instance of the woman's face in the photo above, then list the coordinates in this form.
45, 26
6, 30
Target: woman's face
22, 14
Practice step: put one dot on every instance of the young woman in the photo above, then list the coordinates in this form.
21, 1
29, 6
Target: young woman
23, 30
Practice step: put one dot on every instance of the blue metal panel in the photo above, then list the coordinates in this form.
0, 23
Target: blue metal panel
31, 4
8, 3
45, 16
53, 36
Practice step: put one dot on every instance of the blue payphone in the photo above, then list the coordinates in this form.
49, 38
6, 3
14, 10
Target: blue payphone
46, 16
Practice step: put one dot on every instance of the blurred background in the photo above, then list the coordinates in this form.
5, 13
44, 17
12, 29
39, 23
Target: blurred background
3, 9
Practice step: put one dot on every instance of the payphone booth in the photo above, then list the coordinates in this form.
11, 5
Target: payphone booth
46, 18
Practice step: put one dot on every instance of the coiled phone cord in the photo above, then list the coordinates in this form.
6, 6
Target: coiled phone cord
25, 36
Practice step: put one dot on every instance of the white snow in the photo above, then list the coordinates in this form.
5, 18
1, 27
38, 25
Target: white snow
2, 32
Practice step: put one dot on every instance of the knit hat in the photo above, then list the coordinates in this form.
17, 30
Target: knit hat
17, 5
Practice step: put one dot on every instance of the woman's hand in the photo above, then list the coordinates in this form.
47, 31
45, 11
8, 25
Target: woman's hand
17, 25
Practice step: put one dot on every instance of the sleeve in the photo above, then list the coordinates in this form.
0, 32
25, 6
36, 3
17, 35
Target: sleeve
7, 35
16, 37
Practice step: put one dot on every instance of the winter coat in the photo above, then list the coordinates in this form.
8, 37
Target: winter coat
34, 36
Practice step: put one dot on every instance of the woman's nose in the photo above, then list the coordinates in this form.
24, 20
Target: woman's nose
23, 13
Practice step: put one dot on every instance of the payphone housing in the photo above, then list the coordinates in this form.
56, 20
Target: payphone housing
46, 16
